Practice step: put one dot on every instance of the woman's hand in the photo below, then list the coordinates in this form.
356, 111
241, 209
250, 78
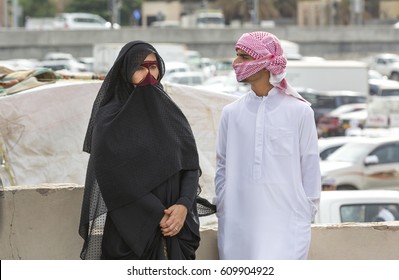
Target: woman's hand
173, 220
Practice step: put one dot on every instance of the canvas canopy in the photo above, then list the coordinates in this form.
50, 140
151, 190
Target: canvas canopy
42, 131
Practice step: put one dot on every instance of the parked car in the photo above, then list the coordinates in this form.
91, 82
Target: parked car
366, 163
383, 88
227, 84
186, 78
62, 61
175, 67
358, 206
330, 144
68, 65
331, 124
223, 66
82, 21
324, 102
385, 63
353, 122
375, 75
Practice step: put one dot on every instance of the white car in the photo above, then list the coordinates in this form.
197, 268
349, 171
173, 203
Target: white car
175, 67
62, 61
369, 163
358, 206
329, 145
82, 21
227, 84
191, 78
387, 64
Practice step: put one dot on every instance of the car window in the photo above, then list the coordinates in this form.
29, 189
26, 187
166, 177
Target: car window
310, 97
331, 102
351, 99
381, 61
387, 153
180, 80
196, 80
372, 212
325, 102
324, 154
88, 20
390, 92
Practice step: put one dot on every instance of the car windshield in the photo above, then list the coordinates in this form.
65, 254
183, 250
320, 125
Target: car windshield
392, 60
390, 92
329, 101
351, 152
368, 212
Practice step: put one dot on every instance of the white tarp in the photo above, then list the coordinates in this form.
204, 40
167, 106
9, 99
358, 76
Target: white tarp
42, 131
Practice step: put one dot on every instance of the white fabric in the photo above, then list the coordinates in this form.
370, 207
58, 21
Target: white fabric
267, 175
386, 215
42, 131
275, 80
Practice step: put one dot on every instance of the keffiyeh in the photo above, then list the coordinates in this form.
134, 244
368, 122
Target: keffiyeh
268, 54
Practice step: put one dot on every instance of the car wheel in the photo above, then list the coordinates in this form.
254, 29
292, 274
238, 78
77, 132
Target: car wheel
346, 188
394, 76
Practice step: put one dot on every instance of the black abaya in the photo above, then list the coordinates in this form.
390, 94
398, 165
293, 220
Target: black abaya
143, 159
123, 238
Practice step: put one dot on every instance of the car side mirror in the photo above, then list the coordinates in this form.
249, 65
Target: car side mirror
371, 160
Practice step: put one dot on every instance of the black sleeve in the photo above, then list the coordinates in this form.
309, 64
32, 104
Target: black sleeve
188, 187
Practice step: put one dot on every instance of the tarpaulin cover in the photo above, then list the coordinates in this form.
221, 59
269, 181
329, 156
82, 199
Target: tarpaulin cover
42, 131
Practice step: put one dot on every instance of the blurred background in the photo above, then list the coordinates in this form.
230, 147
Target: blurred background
16, 13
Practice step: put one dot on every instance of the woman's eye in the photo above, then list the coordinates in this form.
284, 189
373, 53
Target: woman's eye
153, 67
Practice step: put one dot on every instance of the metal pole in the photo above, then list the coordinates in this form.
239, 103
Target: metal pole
5, 12
256, 11
15, 13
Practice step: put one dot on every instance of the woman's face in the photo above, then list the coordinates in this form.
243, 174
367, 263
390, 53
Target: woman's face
150, 65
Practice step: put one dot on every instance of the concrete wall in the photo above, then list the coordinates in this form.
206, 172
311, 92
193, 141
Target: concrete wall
338, 41
170, 10
41, 222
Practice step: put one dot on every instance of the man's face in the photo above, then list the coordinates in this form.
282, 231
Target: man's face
242, 57
245, 57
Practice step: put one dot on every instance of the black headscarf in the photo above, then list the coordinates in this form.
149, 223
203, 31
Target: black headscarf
137, 137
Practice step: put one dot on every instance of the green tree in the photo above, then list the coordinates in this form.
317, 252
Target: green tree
32, 9
99, 7
127, 8
102, 8
286, 8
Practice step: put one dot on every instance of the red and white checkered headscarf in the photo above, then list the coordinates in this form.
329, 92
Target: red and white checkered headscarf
267, 52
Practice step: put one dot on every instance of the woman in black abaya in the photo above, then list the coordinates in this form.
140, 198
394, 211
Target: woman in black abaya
142, 176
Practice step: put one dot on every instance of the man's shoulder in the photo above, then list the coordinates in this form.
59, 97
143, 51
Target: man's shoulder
296, 103
233, 105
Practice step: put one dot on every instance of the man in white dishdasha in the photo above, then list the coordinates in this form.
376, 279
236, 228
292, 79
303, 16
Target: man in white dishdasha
267, 173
